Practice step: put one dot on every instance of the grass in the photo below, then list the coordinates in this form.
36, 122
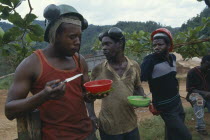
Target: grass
6, 82
190, 122
154, 128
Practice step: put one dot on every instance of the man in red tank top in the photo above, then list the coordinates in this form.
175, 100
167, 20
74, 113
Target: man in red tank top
62, 107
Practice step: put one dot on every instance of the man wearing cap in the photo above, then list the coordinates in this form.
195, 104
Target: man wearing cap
117, 119
198, 88
62, 107
159, 69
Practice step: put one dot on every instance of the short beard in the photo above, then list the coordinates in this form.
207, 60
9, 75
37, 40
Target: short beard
109, 58
163, 54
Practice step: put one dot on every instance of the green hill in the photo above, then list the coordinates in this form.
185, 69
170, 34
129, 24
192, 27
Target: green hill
196, 21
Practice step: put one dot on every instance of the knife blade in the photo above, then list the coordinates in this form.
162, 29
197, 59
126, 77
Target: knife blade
67, 80
72, 78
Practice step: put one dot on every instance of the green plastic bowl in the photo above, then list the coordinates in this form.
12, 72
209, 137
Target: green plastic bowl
139, 101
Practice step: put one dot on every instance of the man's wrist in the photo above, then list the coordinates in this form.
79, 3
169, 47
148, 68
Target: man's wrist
44, 93
88, 98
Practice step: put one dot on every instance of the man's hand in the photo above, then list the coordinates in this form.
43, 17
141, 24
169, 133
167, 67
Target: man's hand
88, 97
145, 95
54, 93
98, 96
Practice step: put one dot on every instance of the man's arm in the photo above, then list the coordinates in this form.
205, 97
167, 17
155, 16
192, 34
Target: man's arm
138, 89
192, 85
90, 103
146, 68
17, 103
85, 78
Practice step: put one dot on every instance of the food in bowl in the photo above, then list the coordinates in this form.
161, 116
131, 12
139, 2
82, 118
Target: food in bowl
139, 101
98, 86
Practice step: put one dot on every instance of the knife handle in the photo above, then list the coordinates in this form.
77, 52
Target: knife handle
57, 84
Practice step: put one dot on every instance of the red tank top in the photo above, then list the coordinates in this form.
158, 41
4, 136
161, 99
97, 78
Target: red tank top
66, 118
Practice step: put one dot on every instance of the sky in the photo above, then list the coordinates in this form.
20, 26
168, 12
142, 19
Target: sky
108, 12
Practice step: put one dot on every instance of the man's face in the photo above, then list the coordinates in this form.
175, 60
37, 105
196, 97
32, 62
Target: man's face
68, 41
206, 66
159, 46
110, 48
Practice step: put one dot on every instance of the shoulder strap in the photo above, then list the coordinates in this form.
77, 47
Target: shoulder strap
41, 59
78, 62
40, 55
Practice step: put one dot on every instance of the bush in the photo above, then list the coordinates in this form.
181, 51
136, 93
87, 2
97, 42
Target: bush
5, 83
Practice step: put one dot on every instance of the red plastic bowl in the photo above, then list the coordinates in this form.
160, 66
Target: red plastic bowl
98, 86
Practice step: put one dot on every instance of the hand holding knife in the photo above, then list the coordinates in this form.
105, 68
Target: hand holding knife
67, 80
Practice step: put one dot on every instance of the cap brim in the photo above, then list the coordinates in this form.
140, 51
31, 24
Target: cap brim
158, 31
84, 26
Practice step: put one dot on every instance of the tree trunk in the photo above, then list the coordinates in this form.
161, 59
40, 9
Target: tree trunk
29, 126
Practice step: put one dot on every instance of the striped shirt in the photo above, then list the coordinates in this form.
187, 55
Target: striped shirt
161, 76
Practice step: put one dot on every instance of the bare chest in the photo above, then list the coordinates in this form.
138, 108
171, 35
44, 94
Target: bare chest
62, 64
120, 69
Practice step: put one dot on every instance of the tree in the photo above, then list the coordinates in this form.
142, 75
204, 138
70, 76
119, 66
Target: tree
207, 2
18, 41
190, 43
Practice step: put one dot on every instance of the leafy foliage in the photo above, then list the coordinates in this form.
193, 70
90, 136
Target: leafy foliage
192, 35
26, 35
138, 45
191, 40
18, 39
90, 35
190, 43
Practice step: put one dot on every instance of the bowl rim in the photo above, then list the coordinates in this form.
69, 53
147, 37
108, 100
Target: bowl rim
85, 84
135, 97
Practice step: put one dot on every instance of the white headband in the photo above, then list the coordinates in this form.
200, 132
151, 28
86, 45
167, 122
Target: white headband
160, 35
53, 29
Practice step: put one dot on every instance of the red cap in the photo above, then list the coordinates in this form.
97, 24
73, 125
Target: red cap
167, 32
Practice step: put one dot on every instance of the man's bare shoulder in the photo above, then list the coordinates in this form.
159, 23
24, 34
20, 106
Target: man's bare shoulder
30, 66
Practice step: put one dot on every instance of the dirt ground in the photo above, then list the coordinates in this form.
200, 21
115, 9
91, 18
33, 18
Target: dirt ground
8, 129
